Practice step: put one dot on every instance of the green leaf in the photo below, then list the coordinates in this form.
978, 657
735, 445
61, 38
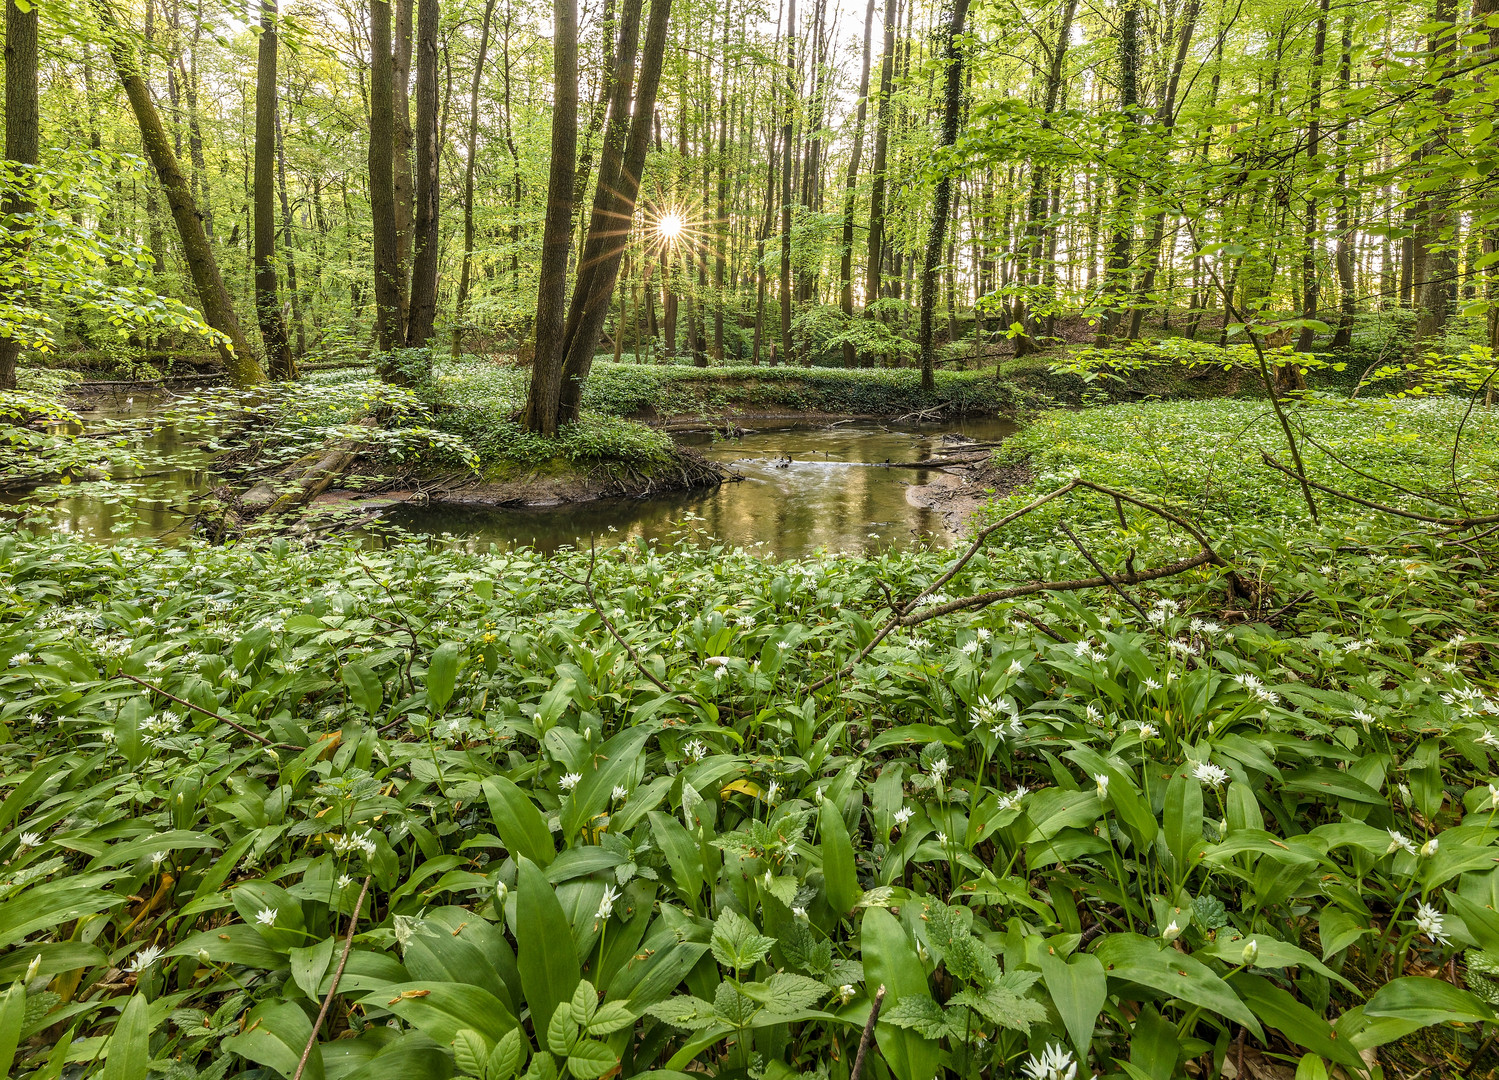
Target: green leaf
1427, 1001
1078, 988
364, 687
505, 1059
12, 1013
1182, 823
275, 1038
590, 1060
519, 823
470, 1052
1281, 1011
890, 961
736, 943
1141, 960
442, 673
837, 860
545, 952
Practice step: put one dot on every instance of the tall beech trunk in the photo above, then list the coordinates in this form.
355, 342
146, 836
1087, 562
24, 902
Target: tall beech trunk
952, 108
1035, 227
1343, 336
545, 393
850, 189
286, 245
389, 329
422, 309
465, 273
218, 309
1435, 263
1310, 289
1116, 271
788, 149
401, 140
267, 302
614, 201
22, 133
876, 247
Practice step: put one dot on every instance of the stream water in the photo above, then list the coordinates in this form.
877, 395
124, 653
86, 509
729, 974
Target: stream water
805, 488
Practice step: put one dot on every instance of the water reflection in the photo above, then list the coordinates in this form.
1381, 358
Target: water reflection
805, 488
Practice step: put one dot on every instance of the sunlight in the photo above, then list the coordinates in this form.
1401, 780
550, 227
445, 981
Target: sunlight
670, 226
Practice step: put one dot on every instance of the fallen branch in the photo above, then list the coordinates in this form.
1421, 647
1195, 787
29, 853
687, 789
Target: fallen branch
1451, 523
338, 975
209, 712
868, 1035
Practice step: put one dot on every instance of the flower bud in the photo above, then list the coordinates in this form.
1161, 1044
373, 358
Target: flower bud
1251, 951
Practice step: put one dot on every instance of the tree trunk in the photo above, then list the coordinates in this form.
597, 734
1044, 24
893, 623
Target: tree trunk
1116, 272
1343, 336
22, 132
876, 248
286, 246
389, 329
218, 310
788, 137
465, 273
267, 302
850, 188
1310, 288
545, 393
401, 141
1435, 264
422, 311
614, 202
952, 107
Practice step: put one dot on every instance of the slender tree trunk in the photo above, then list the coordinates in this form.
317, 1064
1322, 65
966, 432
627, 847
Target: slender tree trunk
952, 107
1310, 241
1343, 336
422, 313
389, 332
1436, 266
788, 139
286, 245
267, 302
850, 189
545, 394
876, 248
218, 310
22, 135
460, 310
1116, 273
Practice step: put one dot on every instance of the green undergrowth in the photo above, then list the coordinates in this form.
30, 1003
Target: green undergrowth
1060, 832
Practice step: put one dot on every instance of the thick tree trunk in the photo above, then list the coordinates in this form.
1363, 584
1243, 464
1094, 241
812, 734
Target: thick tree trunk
22, 132
465, 273
614, 202
952, 108
1343, 336
218, 310
422, 311
267, 302
389, 330
545, 393
850, 189
1435, 264
1116, 272
401, 142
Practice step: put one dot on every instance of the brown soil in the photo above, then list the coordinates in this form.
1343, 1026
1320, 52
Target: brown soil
958, 493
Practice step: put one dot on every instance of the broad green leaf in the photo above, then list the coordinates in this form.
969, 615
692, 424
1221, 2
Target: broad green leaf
442, 673
1137, 959
520, 824
890, 961
128, 1051
545, 953
837, 860
1078, 988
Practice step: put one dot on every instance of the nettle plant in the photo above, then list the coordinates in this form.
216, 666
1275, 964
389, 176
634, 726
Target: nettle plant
326, 812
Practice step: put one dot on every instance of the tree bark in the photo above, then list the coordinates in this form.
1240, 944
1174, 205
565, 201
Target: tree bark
952, 108
1435, 264
1116, 271
614, 204
545, 393
389, 331
876, 248
850, 188
468, 182
1343, 336
401, 142
1310, 289
22, 133
422, 309
218, 310
267, 302
788, 137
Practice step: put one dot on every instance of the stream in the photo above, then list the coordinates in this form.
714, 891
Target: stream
806, 488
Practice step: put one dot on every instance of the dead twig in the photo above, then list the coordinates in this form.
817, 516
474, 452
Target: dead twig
1451, 523
338, 975
587, 586
209, 712
868, 1036
1102, 572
